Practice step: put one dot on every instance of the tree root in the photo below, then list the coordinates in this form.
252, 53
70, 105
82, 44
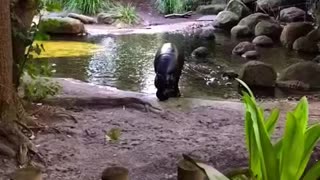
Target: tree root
104, 102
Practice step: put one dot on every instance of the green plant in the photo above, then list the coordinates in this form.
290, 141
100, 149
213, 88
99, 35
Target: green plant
85, 6
286, 159
176, 6
38, 88
113, 135
126, 13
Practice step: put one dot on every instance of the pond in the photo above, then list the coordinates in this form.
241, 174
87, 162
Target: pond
126, 62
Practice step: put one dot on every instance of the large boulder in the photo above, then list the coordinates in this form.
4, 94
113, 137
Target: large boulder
84, 19
207, 34
243, 47
256, 73
293, 31
253, 19
267, 5
270, 29
307, 73
239, 8
292, 14
314, 35
212, 9
240, 31
106, 18
226, 20
262, 41
65, 25
306, 45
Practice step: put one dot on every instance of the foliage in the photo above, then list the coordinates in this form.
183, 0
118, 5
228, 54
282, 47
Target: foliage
86, 7
286, 159
175, 6
113, 135
38, 88
126, 13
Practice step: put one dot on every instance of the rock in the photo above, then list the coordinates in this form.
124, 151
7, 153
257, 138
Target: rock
57, 25
306, 45
105, 18
268, 4
316, 59
253, 19
226, 20
270, 29
251, 55
211, 9
314, 35
243, 47
305, 72
256, 73
240, 31
56, 14
292, 14
200, 53
84, 19
293, 31
230, 74
239, 8
207, 34
262, 41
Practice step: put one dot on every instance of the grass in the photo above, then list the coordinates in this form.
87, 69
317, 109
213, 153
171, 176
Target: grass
85, 6
175, 6
127, 13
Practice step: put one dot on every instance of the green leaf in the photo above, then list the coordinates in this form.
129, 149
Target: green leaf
291, 153
272, 121
210, 172
40, 36
246, 87
311, 139
313, 173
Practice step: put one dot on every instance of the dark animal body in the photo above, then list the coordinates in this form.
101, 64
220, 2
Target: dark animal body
168, 65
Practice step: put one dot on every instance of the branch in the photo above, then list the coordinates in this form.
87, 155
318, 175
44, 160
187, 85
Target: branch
177, 15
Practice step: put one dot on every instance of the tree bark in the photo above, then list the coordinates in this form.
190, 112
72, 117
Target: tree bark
11, 138
23, 12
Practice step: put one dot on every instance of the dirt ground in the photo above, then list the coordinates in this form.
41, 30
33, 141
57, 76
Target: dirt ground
150, 144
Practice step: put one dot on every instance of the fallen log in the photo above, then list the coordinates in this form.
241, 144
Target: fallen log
177, 15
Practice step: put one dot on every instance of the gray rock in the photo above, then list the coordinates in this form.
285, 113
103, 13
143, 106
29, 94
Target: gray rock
262, 41
251, 55
211, 9
241, 31
316, 59
253, 19
293, 31
105, 18
57, 25
269, 29
239, 8
256, 73
292, 14
200, 53
306, 45
207, 34
84, 19
268, 4
226, 20
243, 47
305, 72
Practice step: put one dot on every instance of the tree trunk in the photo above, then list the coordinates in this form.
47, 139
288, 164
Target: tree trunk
23, 12
11, 137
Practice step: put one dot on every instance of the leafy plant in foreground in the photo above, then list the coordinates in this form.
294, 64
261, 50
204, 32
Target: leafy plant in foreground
286, 159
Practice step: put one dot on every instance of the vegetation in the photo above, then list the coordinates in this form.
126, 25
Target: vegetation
126, 13
175, 6
286, 159
86, 7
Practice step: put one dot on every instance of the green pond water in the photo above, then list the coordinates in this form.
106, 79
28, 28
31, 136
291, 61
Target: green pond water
126, 62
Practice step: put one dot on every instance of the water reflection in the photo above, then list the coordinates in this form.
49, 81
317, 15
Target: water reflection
126, 62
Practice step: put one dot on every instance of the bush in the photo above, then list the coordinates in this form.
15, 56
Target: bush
126, 13
85, 6
175, 6
286, 159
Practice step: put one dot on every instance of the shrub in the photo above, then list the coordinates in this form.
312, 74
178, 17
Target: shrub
286, 159
126, 13
86, 7
174, 6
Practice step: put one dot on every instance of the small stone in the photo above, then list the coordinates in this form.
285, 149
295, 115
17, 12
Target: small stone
262, 41
243, 47
251, 55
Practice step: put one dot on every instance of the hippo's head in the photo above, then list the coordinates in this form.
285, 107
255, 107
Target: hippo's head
165, 86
